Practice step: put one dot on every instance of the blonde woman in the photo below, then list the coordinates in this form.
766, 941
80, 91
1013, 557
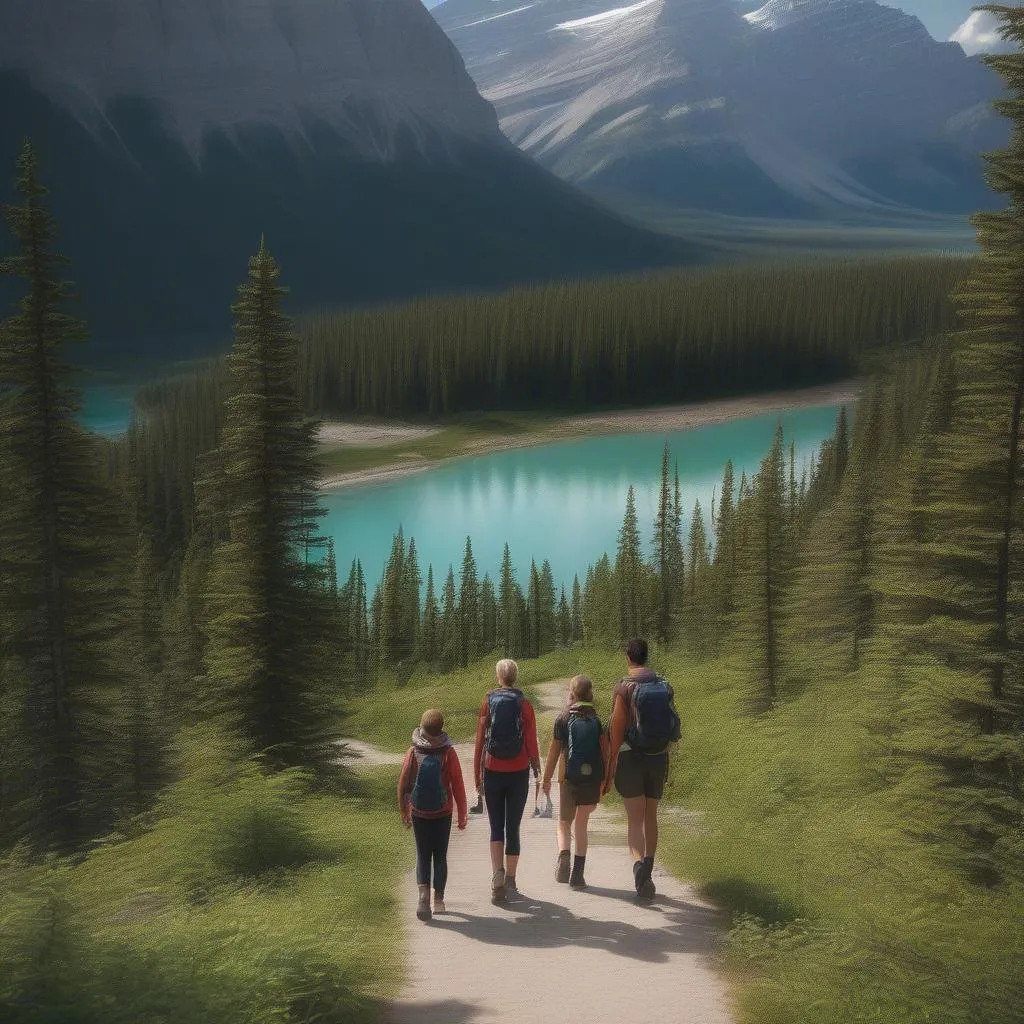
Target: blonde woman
578, 734
506, 748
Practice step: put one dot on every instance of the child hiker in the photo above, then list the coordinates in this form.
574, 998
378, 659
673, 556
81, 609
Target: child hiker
578, 734
429, 785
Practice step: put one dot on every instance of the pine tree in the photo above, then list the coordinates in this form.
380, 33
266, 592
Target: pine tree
61, 553
547, 610
469, 608
509, 600
577, 611
760, 581
268, 623
564, 621
331, 572
677, 557
393, 598
532, 627
967, 609
631, 575
662, 544
488, 615
700, 613
411, 609
450, 638
429, 648
725, 551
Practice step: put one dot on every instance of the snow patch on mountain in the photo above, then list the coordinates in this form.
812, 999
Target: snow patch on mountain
606, 18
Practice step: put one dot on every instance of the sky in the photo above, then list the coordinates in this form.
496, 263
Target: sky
940, 17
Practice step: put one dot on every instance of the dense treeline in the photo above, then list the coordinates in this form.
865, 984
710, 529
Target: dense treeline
675, 337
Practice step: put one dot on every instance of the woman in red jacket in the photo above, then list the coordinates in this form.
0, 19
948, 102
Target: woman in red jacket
429, 785
506, 749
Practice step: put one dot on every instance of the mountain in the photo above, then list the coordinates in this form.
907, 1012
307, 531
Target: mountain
794, 108
172, 134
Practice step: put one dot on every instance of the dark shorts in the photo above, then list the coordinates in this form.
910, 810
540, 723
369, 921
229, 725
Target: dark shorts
576, 794
641, 774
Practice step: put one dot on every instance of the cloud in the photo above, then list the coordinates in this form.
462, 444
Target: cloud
979, 34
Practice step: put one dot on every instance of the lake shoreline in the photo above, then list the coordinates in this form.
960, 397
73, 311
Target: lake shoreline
669, 419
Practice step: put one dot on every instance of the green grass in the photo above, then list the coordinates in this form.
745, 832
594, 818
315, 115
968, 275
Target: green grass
245, 898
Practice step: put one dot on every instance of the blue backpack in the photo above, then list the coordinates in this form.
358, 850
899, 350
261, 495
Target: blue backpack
655, 722
583, 760
505, 734
428, 792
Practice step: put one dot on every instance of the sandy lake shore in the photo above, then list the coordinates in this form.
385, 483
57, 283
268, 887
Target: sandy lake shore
625, 421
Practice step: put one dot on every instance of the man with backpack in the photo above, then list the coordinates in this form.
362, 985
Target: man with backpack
644, 722
579, 736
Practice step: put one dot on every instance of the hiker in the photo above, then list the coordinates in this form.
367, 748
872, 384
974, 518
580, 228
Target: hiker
429, 784
578, 734
643, 724
506, 750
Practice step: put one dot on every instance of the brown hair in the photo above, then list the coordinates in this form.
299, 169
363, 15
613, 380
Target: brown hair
432, 722
636, 651
581, 688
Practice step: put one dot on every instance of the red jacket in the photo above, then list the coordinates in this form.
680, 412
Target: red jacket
451, 777
529, 755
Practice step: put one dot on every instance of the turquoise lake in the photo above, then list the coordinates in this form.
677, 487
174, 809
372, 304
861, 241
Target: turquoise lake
563, 502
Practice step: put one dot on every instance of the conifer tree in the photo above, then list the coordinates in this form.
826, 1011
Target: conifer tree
509, 601
411, 610
677, 557
662, 544
429, 649
577, 611
700, 613
532, 630
564, 621
61, 550
267, 614
760, 582
630, 575
547, 610
725, 550
488, 615
968, 607
450, 638
469, 608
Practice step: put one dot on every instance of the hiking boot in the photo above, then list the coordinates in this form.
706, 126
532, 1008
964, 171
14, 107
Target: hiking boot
498, 886
423, 904
562, 867
576, 879
642, 880
439, 904
511, 889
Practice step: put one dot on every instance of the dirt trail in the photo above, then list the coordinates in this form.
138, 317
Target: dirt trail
556, 954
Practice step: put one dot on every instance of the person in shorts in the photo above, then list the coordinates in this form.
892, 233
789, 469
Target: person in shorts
579, 750
638, 764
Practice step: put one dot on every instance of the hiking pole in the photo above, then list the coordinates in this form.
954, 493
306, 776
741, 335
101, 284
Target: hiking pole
479, 807
536, 796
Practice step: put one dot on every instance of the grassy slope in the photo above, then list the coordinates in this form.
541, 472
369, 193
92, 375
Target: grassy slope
248, 899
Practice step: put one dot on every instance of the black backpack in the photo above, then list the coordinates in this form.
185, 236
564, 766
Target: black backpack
655, 723
505, 733
583, 759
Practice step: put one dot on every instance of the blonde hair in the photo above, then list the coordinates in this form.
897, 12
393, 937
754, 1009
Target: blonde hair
432, 722
581, 688
506, 671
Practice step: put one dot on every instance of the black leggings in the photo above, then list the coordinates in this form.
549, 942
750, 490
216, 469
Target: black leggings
432, 835
506, 794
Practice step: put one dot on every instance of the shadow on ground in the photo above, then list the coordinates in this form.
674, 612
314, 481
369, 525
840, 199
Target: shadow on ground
675, 927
